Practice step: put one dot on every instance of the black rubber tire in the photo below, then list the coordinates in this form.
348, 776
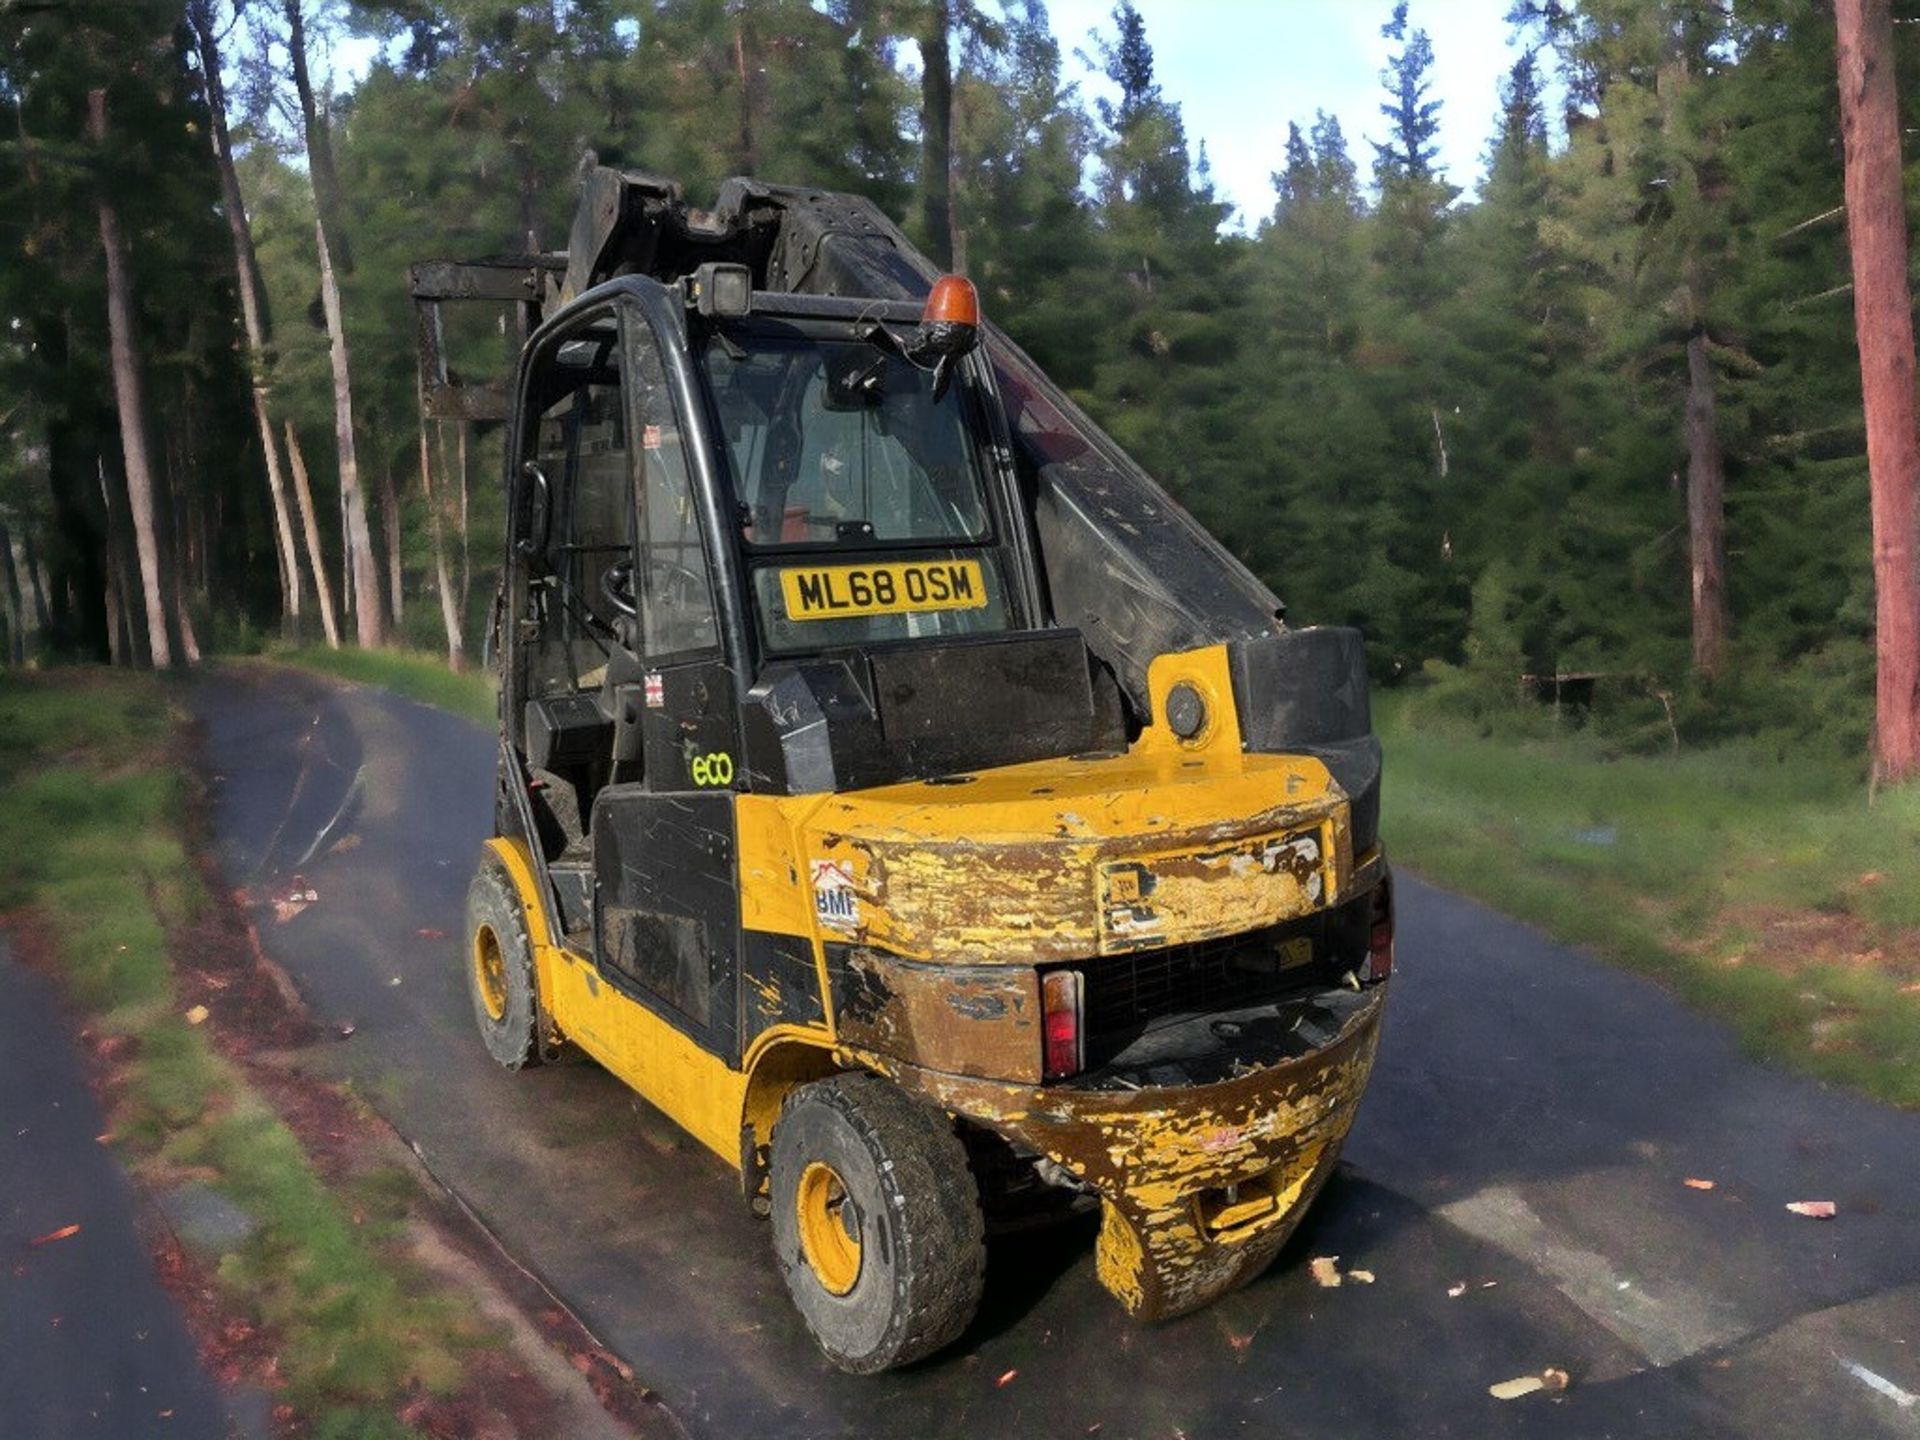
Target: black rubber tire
492, 902
923, 1241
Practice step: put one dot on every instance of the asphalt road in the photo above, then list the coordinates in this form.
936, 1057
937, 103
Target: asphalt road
1527, 1135
90, 1344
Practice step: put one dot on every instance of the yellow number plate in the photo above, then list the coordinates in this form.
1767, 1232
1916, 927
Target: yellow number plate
839, 592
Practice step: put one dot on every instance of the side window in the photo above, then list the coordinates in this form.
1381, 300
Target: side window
676, 598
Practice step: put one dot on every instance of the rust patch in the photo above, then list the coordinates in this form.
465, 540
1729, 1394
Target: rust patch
966, 1020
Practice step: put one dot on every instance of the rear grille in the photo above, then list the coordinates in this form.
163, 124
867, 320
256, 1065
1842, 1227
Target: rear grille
1129, 993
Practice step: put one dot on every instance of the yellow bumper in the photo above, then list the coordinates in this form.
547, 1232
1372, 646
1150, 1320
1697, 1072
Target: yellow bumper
1201, 1185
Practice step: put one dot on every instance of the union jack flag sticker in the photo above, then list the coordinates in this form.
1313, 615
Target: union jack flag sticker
656, 691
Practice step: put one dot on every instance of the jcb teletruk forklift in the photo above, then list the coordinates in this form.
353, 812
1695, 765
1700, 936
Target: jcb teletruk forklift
896, 788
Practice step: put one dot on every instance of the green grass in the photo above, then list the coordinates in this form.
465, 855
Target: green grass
91, 798
412, 673
1766, 891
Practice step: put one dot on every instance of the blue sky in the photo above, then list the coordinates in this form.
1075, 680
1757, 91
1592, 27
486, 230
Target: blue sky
1241, 69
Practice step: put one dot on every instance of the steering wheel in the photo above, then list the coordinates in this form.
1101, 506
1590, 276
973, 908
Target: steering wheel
616, 584
680, 586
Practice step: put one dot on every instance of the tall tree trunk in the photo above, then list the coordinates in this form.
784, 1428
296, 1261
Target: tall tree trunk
366, 571
744, 154
1883, 325
327, 199
466, 552
347, 597
936, 130
449, 612
16, 602
123, 631
1706, 514
128, 398
37, 582
310, 523
179, 568
247, 273
336, 259
390, 522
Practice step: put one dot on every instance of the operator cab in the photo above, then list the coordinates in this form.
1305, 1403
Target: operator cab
783, 550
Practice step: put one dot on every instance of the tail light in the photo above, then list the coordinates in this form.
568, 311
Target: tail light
1064, 1052
1380, 932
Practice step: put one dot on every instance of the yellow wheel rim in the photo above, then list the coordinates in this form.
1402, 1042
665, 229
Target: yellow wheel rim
829, 1228
490, 972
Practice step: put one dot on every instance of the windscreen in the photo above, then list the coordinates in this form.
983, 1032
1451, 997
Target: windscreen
859, 494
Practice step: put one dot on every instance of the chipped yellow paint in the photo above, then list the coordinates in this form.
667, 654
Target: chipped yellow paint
1008, 865
1154, 1156
1117, 1257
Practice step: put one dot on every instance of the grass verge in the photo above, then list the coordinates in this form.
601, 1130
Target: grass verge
411, 673
1766, 891
92, 795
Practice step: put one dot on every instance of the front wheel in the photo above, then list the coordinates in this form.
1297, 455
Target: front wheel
500, 968
876, 1222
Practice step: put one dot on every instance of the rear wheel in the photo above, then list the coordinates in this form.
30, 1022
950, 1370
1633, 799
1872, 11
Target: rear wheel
876, 1222
500, 968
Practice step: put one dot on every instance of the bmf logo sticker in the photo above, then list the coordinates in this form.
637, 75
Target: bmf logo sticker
836, 904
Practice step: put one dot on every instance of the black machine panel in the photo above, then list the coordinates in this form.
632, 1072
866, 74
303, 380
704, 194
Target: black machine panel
922, 710
1304, 692
666, 907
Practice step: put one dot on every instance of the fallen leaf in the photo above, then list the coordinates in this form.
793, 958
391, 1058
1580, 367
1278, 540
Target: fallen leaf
197, 1015
1872, 877
1814, 1209
1360, 1277
1553, 1379
65, 1232
1454, 1292
1693, 1184
344, 844
1513, 1389
1002, 1381
1913, 989
1239, 1342
1325, 1270
105, 1137
427, 932
345, 1030
619, 1366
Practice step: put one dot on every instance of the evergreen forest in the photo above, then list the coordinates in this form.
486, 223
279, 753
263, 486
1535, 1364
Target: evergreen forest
1580, 437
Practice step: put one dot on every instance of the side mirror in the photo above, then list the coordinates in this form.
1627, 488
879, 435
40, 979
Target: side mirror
533, 541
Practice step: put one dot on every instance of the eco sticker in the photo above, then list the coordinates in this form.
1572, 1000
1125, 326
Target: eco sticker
714, 769
835, 902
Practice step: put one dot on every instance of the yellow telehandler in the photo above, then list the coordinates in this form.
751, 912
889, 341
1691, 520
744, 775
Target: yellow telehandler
896, 788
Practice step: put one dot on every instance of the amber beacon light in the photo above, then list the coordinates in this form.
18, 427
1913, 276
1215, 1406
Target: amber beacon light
952, 301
